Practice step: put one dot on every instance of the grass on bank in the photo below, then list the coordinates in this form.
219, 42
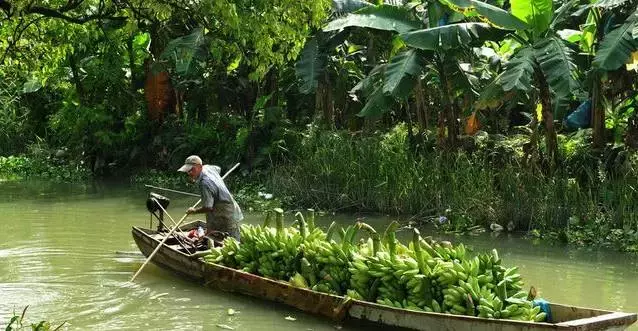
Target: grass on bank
588, 201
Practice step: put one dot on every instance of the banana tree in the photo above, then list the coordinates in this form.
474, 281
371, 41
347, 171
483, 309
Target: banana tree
427, 43
330, 62
543, 67
614, 50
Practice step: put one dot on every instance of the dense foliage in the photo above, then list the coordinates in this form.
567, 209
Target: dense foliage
516, 111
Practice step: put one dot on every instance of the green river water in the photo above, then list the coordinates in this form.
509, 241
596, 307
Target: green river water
60, 253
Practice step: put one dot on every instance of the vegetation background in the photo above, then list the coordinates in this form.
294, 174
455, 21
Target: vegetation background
518, 112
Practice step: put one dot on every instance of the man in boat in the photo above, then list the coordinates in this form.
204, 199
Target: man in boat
222, 211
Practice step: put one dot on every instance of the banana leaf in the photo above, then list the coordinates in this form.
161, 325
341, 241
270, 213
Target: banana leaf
452, 36
519, 71
401, 72
617, 46
556, 62
536, 13
383, 17
310, 66
186, 51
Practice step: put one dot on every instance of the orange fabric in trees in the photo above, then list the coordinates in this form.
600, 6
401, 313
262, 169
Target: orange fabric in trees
472, 124
160, 97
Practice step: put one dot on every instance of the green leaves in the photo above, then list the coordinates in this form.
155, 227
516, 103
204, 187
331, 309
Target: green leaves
32, 85
617, 46
494, 15
572, 36
451, 36
519, 71
499, 17
348, 6
383, 17
309, 66
377, 104
536, 13
401, 73
555, 60
185, 51
609, 4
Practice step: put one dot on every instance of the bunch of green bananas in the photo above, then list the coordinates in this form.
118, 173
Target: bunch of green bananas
330, 261
225, 254
363, 285
424, 276
516, 307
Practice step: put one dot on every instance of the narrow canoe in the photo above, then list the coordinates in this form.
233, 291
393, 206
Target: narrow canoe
174, 257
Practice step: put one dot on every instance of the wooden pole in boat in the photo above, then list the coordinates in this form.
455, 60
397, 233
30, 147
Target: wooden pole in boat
174, 228
169, 190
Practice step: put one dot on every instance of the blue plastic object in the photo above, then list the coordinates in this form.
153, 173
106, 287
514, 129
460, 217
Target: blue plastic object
581, 117
444, 19
544, 304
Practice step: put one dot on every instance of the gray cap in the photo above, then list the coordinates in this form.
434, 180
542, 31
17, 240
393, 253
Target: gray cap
190, 162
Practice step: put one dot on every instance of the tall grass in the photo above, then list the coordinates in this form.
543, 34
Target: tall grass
381, 173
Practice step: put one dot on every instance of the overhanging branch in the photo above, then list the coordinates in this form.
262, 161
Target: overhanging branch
64, 12
48, 12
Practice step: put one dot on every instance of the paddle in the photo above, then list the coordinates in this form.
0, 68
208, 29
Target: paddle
174, 228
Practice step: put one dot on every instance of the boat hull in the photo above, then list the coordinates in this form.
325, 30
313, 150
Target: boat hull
337, 307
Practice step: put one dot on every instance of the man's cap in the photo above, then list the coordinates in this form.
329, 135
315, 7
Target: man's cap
190, 162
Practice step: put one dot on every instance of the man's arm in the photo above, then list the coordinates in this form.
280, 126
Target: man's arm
199, 210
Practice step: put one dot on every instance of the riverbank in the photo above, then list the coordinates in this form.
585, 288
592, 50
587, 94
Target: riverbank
489, 184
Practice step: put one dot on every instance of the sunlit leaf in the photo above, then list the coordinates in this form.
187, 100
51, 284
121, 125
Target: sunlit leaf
589, 33
609, 4
32, 85
383, 17
234, 64
536, 13
573, 36
499, 17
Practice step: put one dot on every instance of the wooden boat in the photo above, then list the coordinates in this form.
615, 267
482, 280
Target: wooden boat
173, 256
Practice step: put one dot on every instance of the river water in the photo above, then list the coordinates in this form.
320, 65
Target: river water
66, 251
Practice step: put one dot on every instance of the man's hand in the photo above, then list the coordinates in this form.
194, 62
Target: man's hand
191, 210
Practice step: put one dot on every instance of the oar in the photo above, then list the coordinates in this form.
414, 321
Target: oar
174, 228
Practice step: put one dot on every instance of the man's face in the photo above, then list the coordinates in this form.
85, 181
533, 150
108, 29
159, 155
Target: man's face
195, 171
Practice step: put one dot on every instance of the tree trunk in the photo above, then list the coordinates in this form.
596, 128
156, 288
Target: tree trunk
598, 114
319, 98
79, 88
324, 102
421, 109
273, 88
530, 149
440, 136
131, 66
449, 107
551, 140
